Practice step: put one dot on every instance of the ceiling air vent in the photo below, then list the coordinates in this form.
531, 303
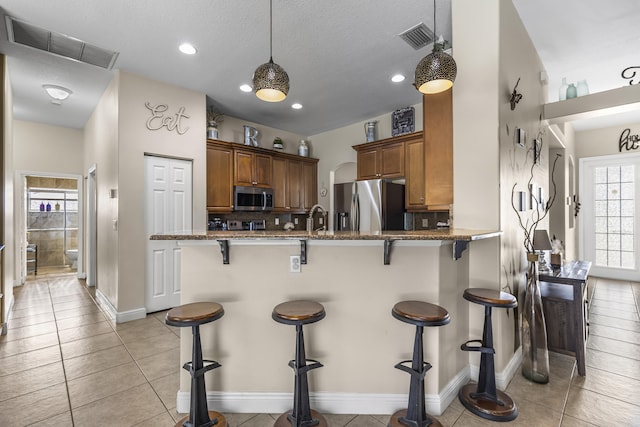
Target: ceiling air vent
418, 36
59, 44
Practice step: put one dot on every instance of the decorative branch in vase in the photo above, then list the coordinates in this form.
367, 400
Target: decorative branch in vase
535, 354
214, 118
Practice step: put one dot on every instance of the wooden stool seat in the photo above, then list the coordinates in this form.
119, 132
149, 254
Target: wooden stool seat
298, 312
483, 399
193, 315
197, 313
491, 298
420, 313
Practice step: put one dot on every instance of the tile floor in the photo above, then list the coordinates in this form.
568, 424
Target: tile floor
60, 347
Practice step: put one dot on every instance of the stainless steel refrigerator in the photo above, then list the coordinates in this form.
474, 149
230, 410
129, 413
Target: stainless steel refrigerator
369, 206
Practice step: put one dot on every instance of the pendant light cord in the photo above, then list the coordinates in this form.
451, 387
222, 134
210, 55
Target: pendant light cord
271, 30
435, 34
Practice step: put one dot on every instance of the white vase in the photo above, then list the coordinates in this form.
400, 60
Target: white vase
582, 88
563, 89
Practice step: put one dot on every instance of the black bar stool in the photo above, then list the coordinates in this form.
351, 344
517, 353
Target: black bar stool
194, 315
300, 313
484, 399
420, 314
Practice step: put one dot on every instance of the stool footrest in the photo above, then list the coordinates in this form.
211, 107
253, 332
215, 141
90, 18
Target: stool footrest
306, 368
212, 364
480, 348
421, 373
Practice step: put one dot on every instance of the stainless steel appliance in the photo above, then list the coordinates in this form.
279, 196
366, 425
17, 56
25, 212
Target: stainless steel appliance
252, 199
370, 206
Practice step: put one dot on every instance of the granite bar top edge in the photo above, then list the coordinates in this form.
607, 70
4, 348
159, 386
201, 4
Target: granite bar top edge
438, 234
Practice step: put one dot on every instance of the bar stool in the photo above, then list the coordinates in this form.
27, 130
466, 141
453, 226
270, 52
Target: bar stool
194, 315
420, 314
484, 399
300, 313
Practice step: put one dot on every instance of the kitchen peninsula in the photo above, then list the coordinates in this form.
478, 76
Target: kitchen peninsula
358, 342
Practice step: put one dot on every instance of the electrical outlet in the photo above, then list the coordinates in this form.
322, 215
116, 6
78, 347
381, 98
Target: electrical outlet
295, 221
425, 222
277, 220
294, 263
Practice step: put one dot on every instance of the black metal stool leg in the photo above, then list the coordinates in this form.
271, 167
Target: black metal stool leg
198, 413
487, 376
301, 414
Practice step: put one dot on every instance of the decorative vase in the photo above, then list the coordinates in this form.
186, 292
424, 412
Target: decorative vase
277, 144
572, 91
563, 89
303, 148
212, 130
535, 354
582, 89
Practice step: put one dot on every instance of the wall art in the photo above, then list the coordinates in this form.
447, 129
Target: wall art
403, 121
159, 120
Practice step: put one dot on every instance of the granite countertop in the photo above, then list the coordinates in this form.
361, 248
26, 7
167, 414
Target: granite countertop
438, 234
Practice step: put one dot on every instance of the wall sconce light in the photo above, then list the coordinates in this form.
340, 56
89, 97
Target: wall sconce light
515, 96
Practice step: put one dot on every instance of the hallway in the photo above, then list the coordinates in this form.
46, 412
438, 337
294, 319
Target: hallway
63, 363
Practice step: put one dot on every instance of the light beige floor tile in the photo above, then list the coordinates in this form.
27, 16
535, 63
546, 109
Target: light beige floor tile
31, 311
143, 331
150, 346
260, 420
89, 345
29, 360
31, 320
84, 331
551, 395
613, 385
37, 406
612, 346
160, 364
29, 331
86, 319
613, 363
97, 361
31, 380
162, 420
77, 311
167, 389
628, 306
568, 421
77, 303
364, 421
62, 420
600, 410
99, 385
236, 420
39, 301
614, 333
123, 409
27, 344
629, 325
339, 419
59, 299
451, 414
138, 323
614, 313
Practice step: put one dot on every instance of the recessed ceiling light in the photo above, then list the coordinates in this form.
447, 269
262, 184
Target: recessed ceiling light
187, 49
397, 78
246, 88
296, 106
58, 93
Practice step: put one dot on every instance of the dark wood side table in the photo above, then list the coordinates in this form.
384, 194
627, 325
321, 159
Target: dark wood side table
564, 298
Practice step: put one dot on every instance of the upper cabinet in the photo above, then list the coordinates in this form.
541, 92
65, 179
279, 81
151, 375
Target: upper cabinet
438, 150
295, 188
252, 169
380, 159
219, 176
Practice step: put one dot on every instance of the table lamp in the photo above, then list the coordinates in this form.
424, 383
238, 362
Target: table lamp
541, 242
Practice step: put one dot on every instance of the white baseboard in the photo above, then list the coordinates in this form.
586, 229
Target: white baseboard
122, 316
82, 275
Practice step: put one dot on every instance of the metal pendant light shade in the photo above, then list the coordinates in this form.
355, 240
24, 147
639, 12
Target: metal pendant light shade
271, 81
437, 71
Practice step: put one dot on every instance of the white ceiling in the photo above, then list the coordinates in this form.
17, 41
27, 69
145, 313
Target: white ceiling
339, 55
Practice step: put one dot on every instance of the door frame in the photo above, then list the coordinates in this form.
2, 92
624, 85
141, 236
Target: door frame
92, 226
586, 163
20, 188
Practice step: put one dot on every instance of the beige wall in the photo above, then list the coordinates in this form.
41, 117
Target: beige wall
9, 252
49, 149
603, 142
231, 130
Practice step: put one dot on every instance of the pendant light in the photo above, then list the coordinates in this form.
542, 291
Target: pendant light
271, 81
437, 71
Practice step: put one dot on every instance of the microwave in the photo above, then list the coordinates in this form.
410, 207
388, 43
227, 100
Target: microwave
252, 199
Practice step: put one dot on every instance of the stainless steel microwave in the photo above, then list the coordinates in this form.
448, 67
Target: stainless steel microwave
252, 199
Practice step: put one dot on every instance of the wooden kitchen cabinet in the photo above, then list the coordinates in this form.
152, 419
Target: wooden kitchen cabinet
414, 174
219, 176
294, 184
252, 169
380, 159
309, 184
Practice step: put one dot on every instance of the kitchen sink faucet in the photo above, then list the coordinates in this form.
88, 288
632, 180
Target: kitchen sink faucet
310, 218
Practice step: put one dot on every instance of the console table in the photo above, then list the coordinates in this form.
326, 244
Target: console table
564, 300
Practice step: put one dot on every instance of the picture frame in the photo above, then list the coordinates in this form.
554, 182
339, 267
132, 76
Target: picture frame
521, 137
537, 147
403, 121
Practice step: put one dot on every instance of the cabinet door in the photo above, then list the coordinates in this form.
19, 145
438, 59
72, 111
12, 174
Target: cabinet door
392, 161
243, 168
262, 170
280, 187
368, 164
414, 168
438, 149
219, 179
296, 185
310, 180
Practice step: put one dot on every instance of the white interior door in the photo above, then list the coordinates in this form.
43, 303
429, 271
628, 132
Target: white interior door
168, 201
610, 215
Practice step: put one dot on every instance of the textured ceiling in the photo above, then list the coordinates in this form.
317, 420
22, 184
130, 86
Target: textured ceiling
339, 55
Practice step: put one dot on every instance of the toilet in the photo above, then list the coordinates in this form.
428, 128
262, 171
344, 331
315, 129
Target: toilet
72, 255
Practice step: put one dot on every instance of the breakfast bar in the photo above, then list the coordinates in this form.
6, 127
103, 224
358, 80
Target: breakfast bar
358, 342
